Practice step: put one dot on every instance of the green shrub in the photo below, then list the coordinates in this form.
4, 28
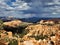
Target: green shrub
39, 37
1, 24
13, 42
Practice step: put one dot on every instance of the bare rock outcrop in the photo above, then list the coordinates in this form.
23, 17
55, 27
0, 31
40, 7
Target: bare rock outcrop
13, 23
42, 29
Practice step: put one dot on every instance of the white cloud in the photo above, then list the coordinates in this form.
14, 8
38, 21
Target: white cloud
18, 5
21, 5
4, 5
35, 6
24, 6
56, 1
51, 3
54, 13
14, 11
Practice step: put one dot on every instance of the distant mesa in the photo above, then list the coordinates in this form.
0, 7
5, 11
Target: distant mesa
10, 16
46, 22
50, 21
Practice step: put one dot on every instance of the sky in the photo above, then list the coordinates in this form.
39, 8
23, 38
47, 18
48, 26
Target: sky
30, 8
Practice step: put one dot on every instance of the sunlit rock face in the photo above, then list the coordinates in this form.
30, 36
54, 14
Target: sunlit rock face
13, 26
28, 43
14, 23
42, 29
57, 35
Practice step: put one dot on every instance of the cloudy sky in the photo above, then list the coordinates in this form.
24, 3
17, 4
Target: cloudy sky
30, 8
